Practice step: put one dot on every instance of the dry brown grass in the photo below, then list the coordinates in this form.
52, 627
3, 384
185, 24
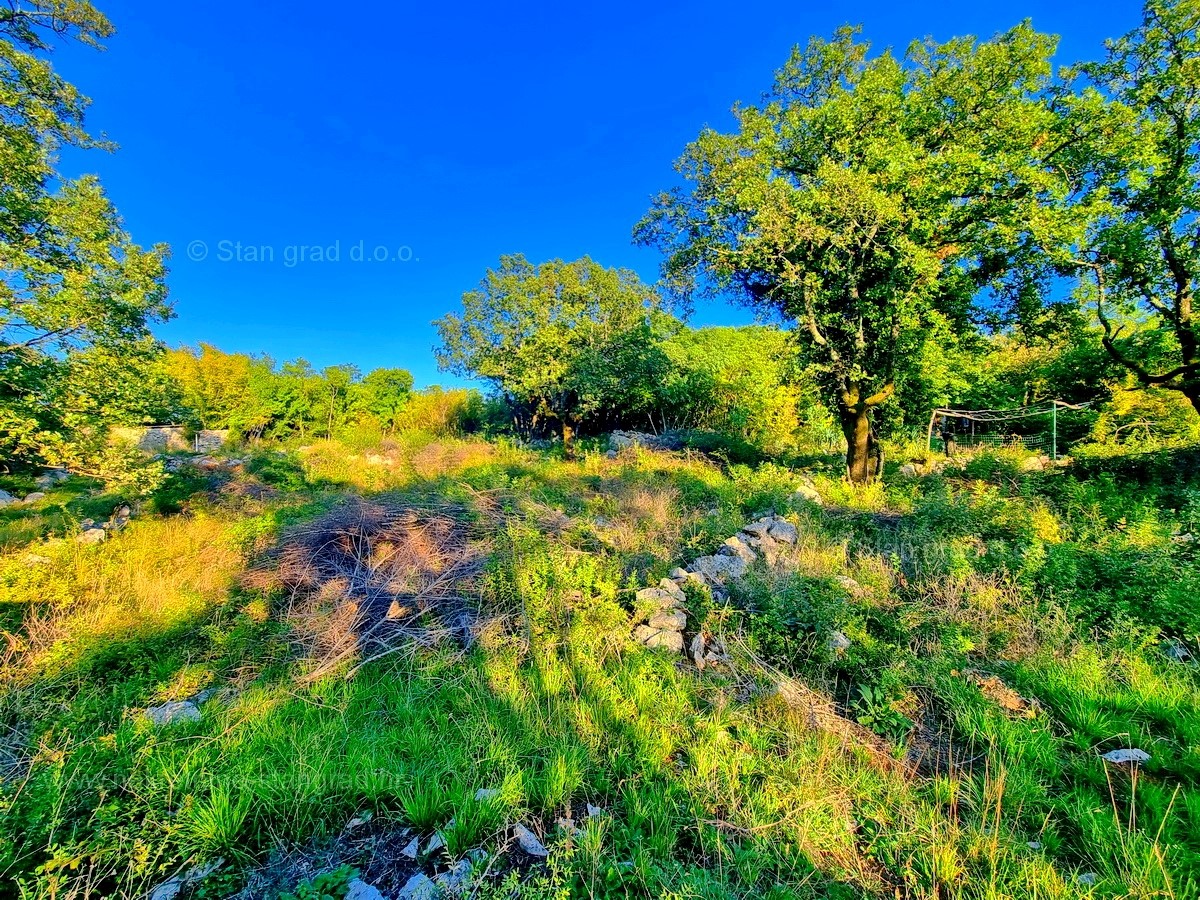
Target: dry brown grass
156, 575
369, 575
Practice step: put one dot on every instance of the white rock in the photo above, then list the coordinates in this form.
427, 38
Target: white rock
718, 569
485, 794
1126, 756
838, 643
908, 470
809, 493
677, 574
358, 889
784, 531
92, 536
849, 584
1034, 464
696, 650
669, 620
594, 811
172, 712
419, 887
437, 842
666, 584
34, 497
6, 498
736, 546
654, 637
528, 841
1086, 878
759, 529
456, 879
413, 849
357, 821
1034, 845
659, 597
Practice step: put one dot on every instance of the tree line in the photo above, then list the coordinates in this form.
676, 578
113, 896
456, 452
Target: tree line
913, 222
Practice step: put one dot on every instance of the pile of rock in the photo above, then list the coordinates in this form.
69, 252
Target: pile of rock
7, 499
621, 440
662, 620
665, 618
92, 532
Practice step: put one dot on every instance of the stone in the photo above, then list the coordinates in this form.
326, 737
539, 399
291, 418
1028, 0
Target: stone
358, 889
784, 531
398, 610
759, 529
437, 842
658, 597
168, 890
653, 637
412, 849
696, 650
666, 584
528, 841
611, 454
483, 795
735, 546
419, 887
849, 585
1126, 756
1086, 878
908, 470
124, 513
1034, 845
34, 497
359, 821
838, 643
1034, 464
669, 620
719, 569
6, 498
807, 493
95, 535
455, 880
1177, 652
172, 712
678, 575
594, 811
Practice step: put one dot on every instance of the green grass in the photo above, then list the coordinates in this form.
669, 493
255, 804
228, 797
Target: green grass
711, 784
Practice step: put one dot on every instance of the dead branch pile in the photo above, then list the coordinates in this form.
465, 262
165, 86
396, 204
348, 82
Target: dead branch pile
372, 577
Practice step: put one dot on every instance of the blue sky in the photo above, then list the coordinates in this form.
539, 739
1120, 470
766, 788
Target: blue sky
436, 137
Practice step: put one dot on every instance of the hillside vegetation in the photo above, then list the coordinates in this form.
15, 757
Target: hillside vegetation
1002, 630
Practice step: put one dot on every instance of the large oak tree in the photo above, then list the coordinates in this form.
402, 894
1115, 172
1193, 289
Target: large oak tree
869, 200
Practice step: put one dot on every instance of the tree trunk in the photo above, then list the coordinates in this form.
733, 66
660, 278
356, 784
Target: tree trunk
856, 426
568, 439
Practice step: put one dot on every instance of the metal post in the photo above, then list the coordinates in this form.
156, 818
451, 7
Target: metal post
1054, 429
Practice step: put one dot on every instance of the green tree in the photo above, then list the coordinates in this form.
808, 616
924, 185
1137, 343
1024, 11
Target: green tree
1136, 163
73, 282
383, 394
561, 341
870, 200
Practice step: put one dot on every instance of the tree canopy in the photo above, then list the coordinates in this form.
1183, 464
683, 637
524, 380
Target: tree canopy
869, 199
74, 285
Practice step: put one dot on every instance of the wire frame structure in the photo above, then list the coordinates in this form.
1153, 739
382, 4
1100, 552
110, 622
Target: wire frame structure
1033, 427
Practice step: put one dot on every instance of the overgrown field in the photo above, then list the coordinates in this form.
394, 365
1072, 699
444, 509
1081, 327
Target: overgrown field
1003, 629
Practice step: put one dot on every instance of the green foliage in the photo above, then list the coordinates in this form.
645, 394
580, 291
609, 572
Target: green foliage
331, 885
563, 342
77, 296
1135, 176
869, 199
